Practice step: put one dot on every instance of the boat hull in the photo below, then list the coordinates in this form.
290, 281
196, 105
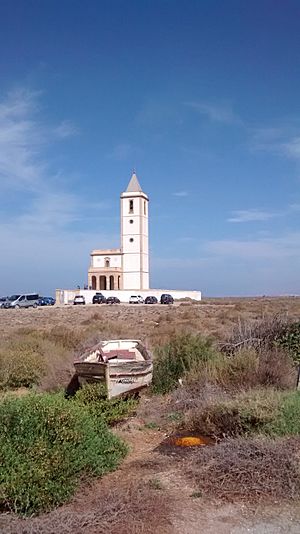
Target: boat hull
121, 378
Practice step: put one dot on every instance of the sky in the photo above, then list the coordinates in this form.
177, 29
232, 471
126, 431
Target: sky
200, 97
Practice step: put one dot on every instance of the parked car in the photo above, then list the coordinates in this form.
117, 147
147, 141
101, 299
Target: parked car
2, 301
136, 299
166, 299
29, 300
98, 298
151, 300
46, 301
79, 299
112, 300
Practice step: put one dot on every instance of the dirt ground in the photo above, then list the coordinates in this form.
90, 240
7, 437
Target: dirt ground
176, 507
151, 323
150, 491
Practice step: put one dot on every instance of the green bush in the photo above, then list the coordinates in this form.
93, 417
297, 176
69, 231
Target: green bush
46, 444
93, 397
177, 358
287, 420
289, 339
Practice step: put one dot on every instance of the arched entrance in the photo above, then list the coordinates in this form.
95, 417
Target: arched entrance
102, 282
111, 282
94, 281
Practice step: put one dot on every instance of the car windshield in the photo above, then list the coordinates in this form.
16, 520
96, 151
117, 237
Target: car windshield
13, 297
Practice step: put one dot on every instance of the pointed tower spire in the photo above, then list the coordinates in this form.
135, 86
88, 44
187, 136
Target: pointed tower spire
134, 185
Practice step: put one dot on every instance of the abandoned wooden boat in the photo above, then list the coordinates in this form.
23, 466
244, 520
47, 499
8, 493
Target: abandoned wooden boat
124, 365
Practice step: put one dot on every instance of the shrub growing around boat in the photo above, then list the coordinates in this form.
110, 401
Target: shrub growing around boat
94, 398
46, 444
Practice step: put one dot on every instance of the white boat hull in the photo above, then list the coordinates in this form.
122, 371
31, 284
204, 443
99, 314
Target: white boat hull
121, 376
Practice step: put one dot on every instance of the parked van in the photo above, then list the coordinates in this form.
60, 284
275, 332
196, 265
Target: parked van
30, 300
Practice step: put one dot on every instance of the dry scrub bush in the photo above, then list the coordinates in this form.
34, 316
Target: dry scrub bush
246, 413
64, 337
247, 469
131, 507
245, 369
35, 357
21, 365
264, 411
257, 333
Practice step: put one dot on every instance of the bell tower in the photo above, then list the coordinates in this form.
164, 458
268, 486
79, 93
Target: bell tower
134, 236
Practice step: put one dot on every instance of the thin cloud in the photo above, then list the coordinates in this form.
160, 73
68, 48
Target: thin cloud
215, 112
66, 129
20, 138
124, 151
282, 140
256, 215
251, 215
180, 194
266, 248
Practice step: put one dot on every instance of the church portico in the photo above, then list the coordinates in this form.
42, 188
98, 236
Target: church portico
109, 281
105, 272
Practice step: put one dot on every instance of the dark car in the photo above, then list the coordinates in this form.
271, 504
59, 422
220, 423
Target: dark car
112, 300
151, 300
166, 299
98, 298
46, 301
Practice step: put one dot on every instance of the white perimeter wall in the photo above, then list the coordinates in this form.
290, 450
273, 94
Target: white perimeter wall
66, 296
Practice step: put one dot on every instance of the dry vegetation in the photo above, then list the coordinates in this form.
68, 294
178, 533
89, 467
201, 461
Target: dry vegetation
236, 386
131, 506
247, 469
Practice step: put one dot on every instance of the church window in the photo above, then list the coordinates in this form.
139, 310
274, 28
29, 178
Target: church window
130, 206
107, 262
131, 221
131, 240
144, 207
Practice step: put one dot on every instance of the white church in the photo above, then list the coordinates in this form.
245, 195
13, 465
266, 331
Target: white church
124, 271
126, 267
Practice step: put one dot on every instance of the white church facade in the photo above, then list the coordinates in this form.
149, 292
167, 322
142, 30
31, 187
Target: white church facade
124, 271
126, 267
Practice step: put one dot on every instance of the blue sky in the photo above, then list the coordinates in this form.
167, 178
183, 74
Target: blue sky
201, 97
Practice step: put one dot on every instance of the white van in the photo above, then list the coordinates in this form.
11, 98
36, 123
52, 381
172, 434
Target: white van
30, 300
